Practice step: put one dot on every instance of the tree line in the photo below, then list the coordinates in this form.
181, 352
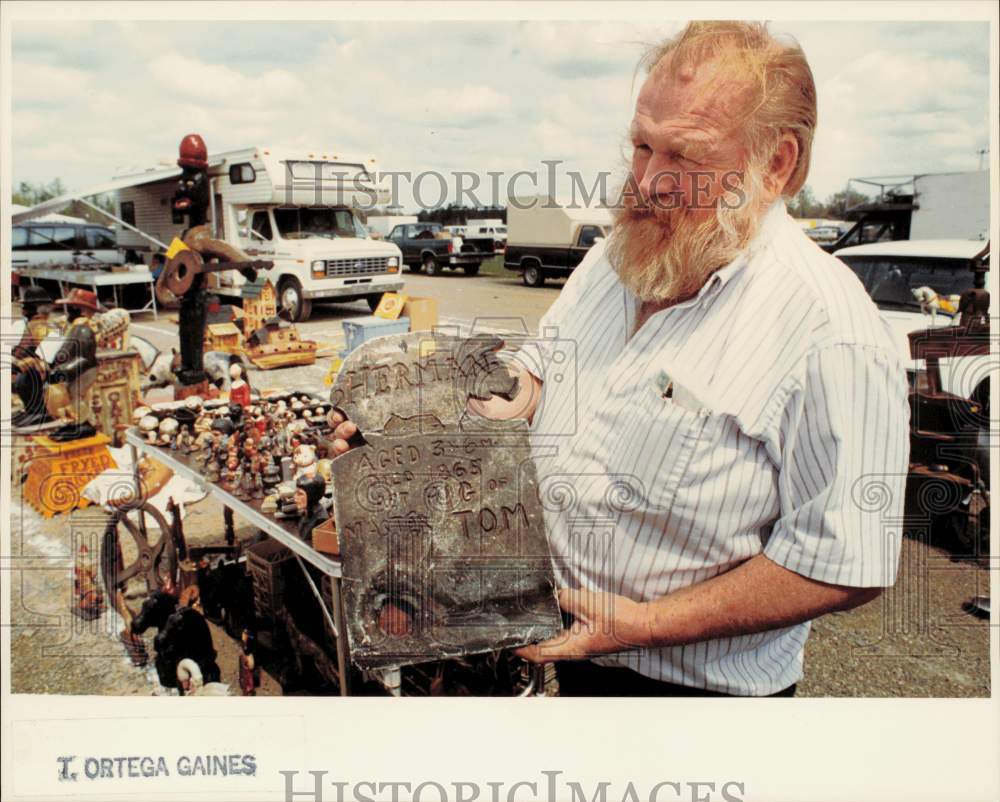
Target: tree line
31, 194
806, 205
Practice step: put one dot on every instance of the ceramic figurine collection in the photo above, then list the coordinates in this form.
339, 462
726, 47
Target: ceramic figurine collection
275, 450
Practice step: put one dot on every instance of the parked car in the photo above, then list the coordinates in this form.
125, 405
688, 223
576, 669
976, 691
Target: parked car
947, 489
40, 244
548, 242
379, 226
487, 234
429, 247
892, 270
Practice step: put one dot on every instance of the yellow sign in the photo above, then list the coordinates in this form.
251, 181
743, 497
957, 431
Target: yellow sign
391, 305
176, 247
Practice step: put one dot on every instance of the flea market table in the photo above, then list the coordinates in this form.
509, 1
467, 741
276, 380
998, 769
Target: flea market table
281, 531
92, 278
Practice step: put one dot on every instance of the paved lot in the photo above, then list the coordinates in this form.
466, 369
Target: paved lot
914, 641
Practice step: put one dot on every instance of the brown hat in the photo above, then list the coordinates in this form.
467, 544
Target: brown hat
82, 298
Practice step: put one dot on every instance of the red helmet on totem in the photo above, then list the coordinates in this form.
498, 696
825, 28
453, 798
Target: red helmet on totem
193, 152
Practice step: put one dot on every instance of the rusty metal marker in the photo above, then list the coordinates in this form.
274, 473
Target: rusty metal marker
441, 533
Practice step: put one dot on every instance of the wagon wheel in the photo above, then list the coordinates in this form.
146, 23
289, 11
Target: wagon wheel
155, 561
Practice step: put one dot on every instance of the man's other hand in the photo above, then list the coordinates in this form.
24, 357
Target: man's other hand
604, 623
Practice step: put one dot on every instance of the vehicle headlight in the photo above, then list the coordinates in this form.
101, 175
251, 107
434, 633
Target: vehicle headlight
318, 268
392, 261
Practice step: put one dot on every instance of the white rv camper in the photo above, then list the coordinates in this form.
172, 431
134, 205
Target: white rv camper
295, 208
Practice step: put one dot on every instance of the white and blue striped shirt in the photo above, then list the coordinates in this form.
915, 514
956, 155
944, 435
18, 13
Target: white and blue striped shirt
767, 415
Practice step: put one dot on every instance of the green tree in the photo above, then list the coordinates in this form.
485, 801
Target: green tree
30, 194
839, 202
805, 205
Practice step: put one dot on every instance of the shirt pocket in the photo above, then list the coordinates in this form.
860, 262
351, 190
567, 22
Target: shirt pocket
677, 431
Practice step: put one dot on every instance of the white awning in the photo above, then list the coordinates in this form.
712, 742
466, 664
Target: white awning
55, 204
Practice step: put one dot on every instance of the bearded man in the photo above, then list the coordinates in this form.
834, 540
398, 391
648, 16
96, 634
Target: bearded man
732, 462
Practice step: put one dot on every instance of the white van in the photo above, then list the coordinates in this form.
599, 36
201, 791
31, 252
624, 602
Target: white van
295, 208
63, 244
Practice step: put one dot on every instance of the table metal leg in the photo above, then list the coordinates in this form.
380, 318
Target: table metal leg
335, 622
343, 663
152, 297
227, 517
138, 490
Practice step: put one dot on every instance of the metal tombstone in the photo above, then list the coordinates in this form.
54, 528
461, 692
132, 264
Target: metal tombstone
441, 532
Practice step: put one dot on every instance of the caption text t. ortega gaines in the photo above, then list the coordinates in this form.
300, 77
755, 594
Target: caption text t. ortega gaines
73, 768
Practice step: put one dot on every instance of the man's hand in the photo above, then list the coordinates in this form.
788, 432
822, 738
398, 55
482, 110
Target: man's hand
604, 623
523, 405
343, 431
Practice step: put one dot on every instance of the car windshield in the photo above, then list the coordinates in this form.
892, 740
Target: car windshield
301, 223
890, 281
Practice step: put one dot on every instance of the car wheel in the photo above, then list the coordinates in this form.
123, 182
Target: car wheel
374, 300
471, 270
431, 267
291, 297
533, 275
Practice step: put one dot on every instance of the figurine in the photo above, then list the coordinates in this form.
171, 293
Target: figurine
212, 471
246, 481
305, 461
28, 368
239, 390
73, 371
309, 491
272, 475
249, 675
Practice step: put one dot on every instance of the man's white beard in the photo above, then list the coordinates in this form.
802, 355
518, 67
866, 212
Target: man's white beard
663, 255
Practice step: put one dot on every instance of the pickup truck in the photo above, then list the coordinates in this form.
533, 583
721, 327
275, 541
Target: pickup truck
548, 241
429, 246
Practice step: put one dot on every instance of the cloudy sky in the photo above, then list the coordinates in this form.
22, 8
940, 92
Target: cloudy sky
90, 99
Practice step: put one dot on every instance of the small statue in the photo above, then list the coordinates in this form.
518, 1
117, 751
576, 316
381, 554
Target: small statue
236, 415
272, 475
73, 370
231, 476
249, 675
212, 471
239, 390
28, 367
246, 481
309, 491
305, 461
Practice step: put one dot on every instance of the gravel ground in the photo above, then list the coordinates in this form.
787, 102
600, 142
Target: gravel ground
915, 641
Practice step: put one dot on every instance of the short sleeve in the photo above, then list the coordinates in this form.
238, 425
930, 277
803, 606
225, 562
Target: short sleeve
844, 445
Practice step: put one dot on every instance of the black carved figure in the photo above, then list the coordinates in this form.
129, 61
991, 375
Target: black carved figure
28, 367
182, 633
309, 492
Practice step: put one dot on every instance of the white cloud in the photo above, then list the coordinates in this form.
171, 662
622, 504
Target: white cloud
894, 97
